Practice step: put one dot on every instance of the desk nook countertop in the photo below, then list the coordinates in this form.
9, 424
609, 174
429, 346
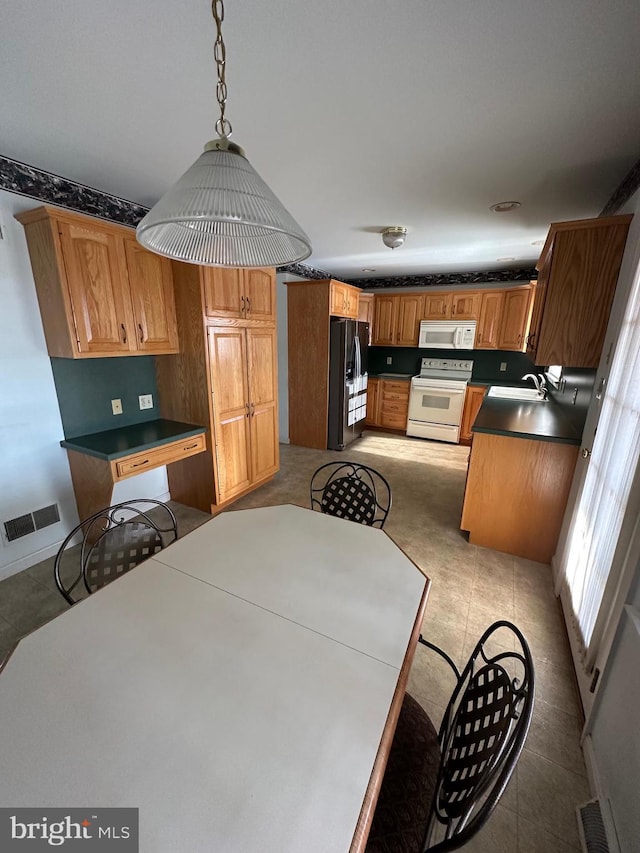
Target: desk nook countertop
136, 438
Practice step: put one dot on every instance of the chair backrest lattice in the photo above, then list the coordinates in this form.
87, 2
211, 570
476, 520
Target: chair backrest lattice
113, 541
481, 736
355, 492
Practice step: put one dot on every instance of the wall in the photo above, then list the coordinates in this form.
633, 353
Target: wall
486, 363
33, 467
283, 353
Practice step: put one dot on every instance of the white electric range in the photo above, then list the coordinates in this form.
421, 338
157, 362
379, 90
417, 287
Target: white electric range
436, 399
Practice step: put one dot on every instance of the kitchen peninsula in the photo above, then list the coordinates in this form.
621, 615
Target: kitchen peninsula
522, 461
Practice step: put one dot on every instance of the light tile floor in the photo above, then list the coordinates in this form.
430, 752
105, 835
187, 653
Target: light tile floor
472, 587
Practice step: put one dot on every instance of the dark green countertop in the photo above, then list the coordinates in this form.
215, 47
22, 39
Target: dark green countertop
115, 443
543, 421
403, 377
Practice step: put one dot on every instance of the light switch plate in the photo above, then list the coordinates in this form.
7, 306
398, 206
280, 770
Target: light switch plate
146, 401
503, 365
389, 359
116, 407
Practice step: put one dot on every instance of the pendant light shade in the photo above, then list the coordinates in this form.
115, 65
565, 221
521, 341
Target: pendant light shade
221, 213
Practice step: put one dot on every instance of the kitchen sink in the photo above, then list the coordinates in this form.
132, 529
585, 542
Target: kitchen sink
507, 393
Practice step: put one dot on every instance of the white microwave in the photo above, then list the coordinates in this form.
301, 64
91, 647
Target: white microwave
445, 334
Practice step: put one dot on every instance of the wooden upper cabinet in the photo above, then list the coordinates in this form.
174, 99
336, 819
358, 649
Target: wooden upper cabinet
437, 306
100, 293
581, 261
260, 294
97, 283
384, 320
240, 294
465, 306
514, 324
489, 322
223, 292
397, 319
409, 314
344, 300
154, 312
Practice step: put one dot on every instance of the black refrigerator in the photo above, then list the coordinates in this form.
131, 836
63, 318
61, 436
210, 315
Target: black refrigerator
348, 342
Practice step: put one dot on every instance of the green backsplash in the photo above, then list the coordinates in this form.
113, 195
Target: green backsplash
486, 363
86, 387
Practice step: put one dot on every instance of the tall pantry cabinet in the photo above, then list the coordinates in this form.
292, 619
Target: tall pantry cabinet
225, 378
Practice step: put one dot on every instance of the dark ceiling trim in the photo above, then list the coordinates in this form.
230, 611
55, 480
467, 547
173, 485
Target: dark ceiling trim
17, 177
48, 188
624, 191
446, 279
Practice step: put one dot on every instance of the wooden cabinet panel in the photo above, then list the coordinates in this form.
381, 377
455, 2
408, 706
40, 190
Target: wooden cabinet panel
228, 354
489, 322
437, 306
240, 294
372, 401
260, 294
95, 278
516, 312
539, 294
397, 319
583, 260
263, 419
472, 403
365, 311
154, 313
516, 494
465, 306
223, 292
409, 313
116, 297
384, 320
344, 300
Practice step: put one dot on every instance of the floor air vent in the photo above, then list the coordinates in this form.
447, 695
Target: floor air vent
15, 528
591, 828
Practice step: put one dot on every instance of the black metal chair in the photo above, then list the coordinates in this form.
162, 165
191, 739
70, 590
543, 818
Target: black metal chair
440, 789
355, 492
113, 541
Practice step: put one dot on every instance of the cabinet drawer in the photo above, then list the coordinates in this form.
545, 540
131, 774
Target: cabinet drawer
396, 387
157, 456
395, 398
395, 406
393, 420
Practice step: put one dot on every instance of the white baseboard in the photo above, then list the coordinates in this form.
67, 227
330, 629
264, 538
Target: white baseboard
598, 793
29, 560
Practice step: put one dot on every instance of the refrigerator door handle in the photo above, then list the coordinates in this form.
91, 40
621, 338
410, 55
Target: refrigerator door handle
358, 365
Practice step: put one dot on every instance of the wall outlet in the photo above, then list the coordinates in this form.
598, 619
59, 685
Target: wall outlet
146, 401
503, 366
116, 407
389, 359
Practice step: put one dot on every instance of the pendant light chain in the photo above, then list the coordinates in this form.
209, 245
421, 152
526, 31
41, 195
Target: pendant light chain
223, 125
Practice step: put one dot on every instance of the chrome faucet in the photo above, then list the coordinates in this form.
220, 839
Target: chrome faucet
539, 381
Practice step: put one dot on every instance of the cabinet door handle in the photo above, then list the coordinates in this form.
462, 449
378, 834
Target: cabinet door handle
253, 409
248, 305
190, 446
532, 341
141, 333
138, 464
124, 333
248, 408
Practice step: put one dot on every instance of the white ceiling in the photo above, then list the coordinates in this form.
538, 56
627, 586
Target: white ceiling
359, 114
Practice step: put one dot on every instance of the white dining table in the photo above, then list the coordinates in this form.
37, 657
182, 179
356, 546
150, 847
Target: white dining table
240, 688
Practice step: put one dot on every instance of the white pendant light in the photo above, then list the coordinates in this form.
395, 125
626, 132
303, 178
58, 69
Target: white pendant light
221, 212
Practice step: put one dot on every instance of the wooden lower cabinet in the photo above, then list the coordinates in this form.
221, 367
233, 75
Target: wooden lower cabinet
472, 402
225, 378
516, 494
388, 403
